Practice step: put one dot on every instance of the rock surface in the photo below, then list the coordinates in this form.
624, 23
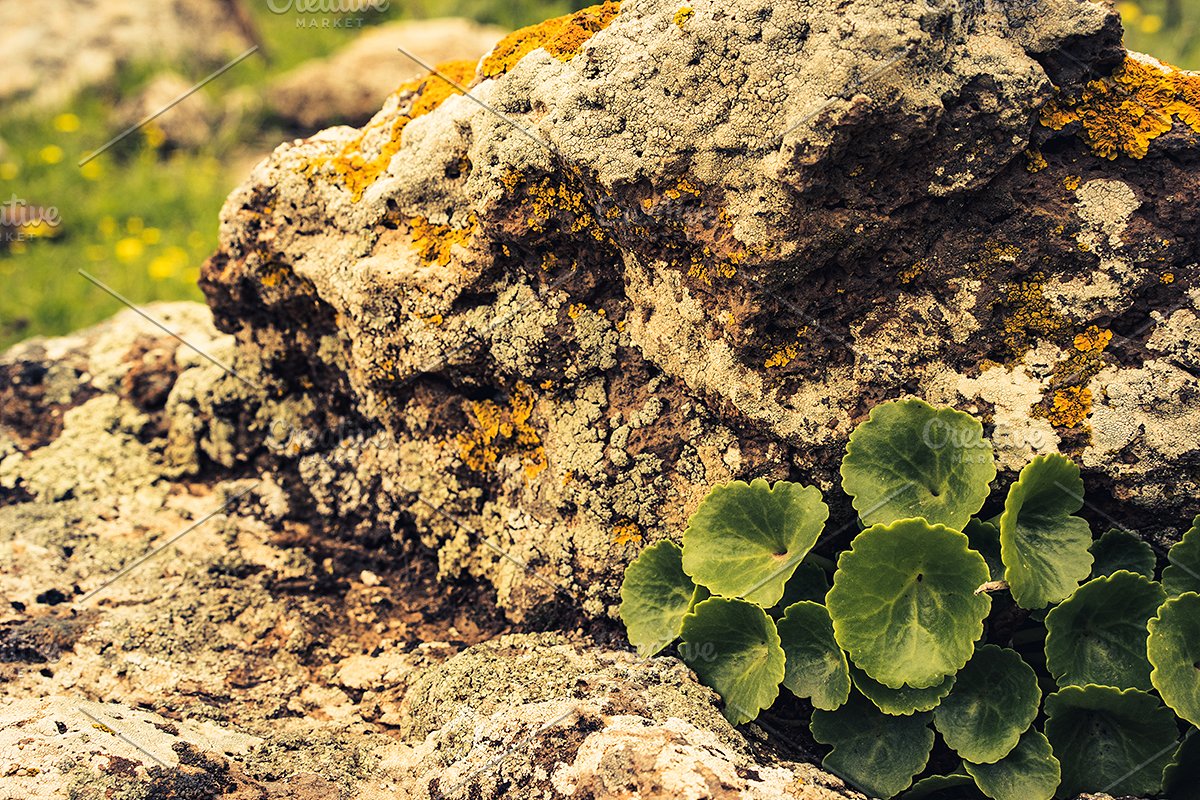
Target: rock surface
350, 86
63, 46
700, 246
169, 629
472, 361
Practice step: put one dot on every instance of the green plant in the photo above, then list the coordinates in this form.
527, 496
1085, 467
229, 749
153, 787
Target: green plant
933, 635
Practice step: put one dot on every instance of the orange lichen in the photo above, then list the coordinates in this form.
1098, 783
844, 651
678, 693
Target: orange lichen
782, 357
912, 271
562, 37
1070, 406
1030, 315
1069, 402
274, 276
1123, 113
548, 200
627, 533
427, 93
1093, 340
683, 186
1168, 277
434, 242
683, 15
497, 432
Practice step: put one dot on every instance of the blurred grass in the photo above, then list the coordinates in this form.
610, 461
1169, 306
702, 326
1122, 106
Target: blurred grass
1166, 29
143, 220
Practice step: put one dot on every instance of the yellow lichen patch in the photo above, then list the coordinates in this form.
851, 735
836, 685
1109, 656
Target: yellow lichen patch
1093, 340
1168, 277
1123, 113
782, 357
1030, 315
427, 93
626, 533
683, 186
562, 37
575, 309
1070, 401
913, 271
1035, 161
548, 200
683, 15
274, 276
1071, 182
1070, 406
497, 432
434, 242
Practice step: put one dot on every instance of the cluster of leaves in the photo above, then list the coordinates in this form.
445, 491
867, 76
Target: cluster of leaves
938, 623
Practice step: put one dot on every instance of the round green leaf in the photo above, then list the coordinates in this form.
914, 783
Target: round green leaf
994, 701
1029, 772
746, 539
1181, 778
816, 667
655, 595
876, 753
985, 539
944, 787
1117, 550
1182, 573
1098, 634
1174, 651
903, 701
733, 648
903, 602
910, 459
1044, 547
1109, 740
809, 582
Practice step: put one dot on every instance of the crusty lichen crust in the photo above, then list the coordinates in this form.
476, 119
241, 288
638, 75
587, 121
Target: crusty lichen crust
658, 250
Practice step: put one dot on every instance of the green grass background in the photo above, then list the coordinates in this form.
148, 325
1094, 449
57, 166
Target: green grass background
143, 220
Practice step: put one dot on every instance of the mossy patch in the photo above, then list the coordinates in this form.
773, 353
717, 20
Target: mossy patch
1123, 113
562, 37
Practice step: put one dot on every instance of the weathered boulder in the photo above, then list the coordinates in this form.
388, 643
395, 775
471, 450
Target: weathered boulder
63, 46
349, 86
681, 245
168, 630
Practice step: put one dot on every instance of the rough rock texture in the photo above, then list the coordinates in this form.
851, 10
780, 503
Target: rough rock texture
224, 650
700, 245
473, 361
351, 85
59, 47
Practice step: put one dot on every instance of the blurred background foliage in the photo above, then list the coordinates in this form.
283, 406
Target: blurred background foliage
143, 218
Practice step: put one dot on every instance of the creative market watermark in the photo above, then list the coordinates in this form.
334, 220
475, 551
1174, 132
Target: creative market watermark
329, 13
20, 221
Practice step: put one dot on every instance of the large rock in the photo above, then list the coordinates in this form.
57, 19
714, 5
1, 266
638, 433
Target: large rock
53, 51
350, 86
169, 629
684, 246
473, 360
